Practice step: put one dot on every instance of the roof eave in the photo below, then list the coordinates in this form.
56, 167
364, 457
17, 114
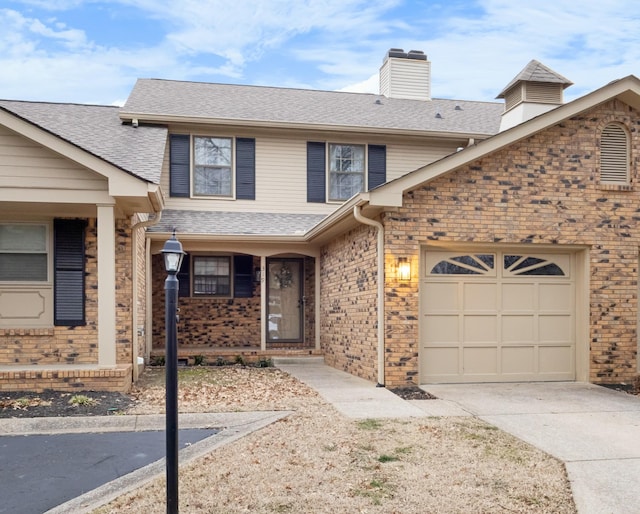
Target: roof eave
169, 119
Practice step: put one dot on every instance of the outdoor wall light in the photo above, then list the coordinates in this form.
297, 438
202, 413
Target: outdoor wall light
257, 275
404, 269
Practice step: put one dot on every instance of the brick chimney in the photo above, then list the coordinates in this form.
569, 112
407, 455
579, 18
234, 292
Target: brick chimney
406, 75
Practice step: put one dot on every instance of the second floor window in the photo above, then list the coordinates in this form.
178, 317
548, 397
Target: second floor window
346, 171
212, 167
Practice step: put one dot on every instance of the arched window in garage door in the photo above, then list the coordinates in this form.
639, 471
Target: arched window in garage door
484, 264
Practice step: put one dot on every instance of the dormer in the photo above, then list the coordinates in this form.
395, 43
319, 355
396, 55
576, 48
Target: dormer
534, 91
406, 75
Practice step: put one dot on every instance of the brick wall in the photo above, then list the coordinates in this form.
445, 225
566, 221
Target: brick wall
348, 298
542, 190
60, 346
205, 321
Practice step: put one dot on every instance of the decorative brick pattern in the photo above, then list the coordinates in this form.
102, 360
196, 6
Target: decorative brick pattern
348, 298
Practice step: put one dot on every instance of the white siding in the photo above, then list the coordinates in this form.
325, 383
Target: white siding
27, 165
281, 172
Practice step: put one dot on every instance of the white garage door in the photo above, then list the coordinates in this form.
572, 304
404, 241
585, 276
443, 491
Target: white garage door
497, 316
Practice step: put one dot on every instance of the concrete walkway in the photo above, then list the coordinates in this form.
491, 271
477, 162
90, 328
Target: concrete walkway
595, 431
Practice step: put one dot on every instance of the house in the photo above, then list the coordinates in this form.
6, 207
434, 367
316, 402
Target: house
406, 239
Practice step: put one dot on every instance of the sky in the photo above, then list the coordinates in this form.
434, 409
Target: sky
92, 51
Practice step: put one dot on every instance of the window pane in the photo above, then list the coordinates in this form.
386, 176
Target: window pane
23, 238
212, 181
23, 267
212, 276
346, 158
212, 151
212, 172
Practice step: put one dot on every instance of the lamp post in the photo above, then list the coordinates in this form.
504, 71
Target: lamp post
173, 254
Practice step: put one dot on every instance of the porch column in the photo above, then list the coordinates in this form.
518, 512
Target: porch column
317, 299
106, 286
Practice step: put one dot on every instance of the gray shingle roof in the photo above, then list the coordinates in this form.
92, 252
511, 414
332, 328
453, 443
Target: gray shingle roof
309, 107
99, 131
535, 71
235, 223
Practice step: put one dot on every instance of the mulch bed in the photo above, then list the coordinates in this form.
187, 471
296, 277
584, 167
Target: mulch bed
57, 404
412, 393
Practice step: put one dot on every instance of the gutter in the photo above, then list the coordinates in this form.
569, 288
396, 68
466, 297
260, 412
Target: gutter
134, 300
357, 214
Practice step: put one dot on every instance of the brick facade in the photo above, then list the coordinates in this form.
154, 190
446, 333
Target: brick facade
348, 299
56, 347
542, 190
224, 326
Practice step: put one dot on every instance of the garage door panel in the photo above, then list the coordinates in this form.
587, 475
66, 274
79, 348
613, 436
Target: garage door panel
441, 361
479, 328
480, 360
556, 328
480, 296
517, 360
518, 328
442, 329
518, 297
497, 316
556, 297
557, 360
442, 296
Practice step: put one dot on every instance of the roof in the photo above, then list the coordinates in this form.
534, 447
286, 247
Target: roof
99, 131
535, 71
235, 223
154, 99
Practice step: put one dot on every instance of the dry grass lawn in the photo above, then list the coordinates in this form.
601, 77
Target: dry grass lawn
316, 461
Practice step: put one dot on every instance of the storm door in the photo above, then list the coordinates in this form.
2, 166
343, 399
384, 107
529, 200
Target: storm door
284, 300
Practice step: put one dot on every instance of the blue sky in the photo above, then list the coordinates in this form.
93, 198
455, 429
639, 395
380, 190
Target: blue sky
92, 51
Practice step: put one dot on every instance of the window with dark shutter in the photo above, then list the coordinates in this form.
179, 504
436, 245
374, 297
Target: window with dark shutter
179, 165
377, 165
245, 169
316, 172
243, 276
184, 278
614, 155
69, 266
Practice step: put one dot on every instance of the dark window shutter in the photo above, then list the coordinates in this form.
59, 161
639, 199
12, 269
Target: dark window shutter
316, 170
243, 276
245, 168
68, 280
184, 278
179, 166
377, 165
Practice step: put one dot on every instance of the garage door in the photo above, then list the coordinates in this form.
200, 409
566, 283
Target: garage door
497, 316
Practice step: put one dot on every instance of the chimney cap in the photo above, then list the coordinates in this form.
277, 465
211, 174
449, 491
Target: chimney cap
396, 52
417, 54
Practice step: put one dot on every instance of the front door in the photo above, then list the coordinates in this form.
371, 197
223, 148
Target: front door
284, 302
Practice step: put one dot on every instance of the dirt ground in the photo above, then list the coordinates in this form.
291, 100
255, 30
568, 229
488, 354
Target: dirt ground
316, 461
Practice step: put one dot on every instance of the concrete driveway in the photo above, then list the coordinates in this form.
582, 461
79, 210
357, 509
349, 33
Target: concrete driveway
594, 430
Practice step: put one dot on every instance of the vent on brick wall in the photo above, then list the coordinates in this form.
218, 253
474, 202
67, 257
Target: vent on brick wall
614, 155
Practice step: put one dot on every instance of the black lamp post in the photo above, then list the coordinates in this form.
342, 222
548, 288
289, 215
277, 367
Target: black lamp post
173, 254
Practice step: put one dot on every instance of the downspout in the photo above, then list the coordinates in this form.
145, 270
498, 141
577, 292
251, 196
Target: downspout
134, 289
357, 214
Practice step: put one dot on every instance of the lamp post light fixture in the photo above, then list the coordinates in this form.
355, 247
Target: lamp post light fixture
173, 255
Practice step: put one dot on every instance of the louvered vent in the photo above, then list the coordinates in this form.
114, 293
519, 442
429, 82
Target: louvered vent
512, 98
544, 93
614, 155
